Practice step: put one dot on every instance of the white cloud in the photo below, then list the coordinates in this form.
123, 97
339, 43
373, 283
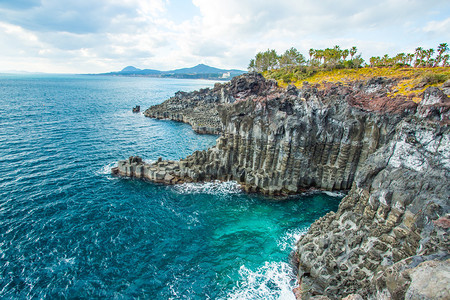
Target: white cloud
441, 28
105, 35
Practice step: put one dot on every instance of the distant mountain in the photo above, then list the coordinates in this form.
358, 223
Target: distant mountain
199, 71
130, 69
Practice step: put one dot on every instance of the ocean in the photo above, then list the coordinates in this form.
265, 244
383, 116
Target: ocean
68, 229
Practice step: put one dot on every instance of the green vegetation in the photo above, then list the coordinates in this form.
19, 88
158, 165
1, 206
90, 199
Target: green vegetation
412, 72
292, 67
410, 82
420, 58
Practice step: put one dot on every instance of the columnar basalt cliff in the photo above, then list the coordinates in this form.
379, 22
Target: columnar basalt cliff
393, 155
393, 220
198, 108
278, 141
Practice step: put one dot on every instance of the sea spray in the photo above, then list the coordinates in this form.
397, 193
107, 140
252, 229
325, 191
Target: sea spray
273, 280
287, 241
210, 188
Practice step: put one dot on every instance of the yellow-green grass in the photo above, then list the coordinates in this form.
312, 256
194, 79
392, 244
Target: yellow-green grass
412, 82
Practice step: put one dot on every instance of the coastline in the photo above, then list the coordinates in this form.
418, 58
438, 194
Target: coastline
279, 141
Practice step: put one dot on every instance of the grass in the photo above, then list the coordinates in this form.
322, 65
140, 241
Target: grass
411, 82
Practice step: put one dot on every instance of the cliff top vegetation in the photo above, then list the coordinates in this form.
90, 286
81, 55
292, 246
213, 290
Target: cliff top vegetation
413, 72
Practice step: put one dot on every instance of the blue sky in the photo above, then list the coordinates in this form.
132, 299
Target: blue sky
90, 36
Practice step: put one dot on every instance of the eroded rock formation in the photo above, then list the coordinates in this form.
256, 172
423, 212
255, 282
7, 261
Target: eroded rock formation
278, 141
393, 155
389, 223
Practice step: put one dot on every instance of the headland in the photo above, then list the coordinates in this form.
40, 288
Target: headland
389, 237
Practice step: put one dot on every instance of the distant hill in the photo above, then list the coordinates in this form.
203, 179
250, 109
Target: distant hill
130, 69
200, 71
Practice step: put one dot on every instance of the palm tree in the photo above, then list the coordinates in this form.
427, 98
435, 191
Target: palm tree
400, 58
410, 57
327, 55
345, 53
374, 61
311, 54
319, 54
428, 54
445, 60
335, 54
353, 51
418, 56
441, 49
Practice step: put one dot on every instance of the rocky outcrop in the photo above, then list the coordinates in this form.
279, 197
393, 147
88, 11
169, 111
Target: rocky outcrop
198, 108
278, 141
390, 153
384, 226
136, 109
160, 171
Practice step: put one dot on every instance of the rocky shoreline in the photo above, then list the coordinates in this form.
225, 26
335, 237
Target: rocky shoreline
389, 232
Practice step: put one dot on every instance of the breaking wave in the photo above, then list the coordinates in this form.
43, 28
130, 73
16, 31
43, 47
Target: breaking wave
211, 188
289, 240
274, 280
334, 194
106, 169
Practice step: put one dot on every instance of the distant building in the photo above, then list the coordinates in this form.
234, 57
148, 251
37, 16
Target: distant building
226, 75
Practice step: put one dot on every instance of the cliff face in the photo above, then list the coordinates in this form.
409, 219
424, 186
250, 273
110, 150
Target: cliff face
392, 154
276, 141
394, 218
198, 108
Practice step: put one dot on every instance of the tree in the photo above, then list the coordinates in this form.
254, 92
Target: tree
332, 56
410, 58
357, 62
441, 49
291, 58
251, 65
418, 56
428, 54
265, 61
319, 54
445, 60
353, 51
311, 54
400, 59
374, 61
345, 53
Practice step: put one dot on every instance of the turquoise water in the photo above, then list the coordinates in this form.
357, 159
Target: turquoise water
68, 229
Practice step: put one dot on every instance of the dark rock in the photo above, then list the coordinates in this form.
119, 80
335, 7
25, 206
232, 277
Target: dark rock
435, 105
391, 154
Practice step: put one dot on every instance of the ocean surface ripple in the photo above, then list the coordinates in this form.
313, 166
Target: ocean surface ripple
68, 229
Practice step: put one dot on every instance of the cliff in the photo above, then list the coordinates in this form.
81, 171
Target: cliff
198, 108
278, 141
393, 156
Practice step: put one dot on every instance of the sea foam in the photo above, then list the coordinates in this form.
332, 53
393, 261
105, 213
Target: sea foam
273, 280
210, 188
288, 240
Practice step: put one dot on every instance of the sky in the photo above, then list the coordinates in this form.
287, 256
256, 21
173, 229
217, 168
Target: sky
94, 36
